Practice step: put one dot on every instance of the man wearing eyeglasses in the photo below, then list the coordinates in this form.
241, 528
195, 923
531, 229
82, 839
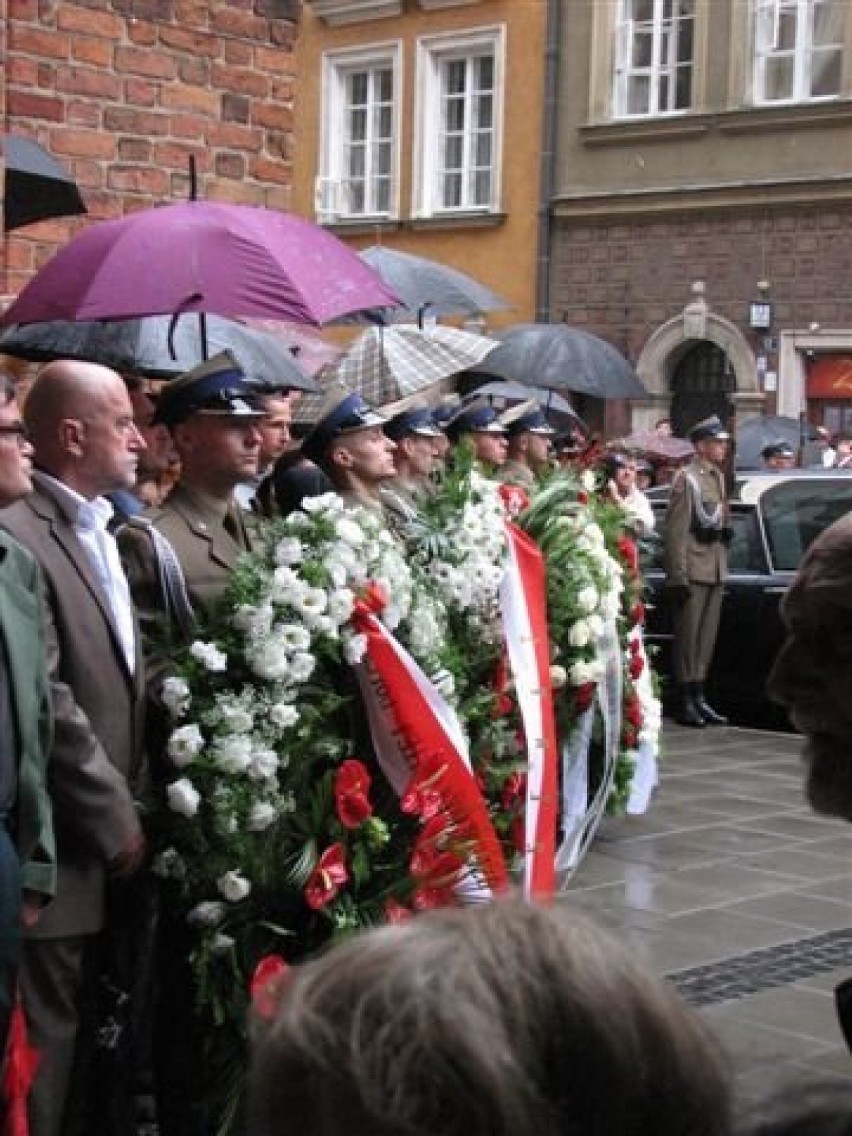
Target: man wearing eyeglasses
86, 444
27, 850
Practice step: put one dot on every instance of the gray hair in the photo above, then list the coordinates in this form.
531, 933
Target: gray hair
503, 1020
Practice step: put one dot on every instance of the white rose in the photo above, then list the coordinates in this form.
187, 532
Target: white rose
235, 718
289, 551
263, 765
293, 636
183, 797
349, 531
253, 620
354, 649
581, 673
184, 745
558, 676
340, 604
209, 655
233, 886
260, 817
302, 666
206, 914
283, 715
579, 635
233, 754
587, 598
269, 661
175, 696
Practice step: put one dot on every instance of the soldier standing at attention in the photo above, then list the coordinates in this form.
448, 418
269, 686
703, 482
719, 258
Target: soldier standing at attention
529, 438
696, 562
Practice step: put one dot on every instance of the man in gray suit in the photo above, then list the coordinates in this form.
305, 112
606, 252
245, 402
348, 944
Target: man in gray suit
86, 444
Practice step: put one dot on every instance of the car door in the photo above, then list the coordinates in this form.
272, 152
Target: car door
750, 628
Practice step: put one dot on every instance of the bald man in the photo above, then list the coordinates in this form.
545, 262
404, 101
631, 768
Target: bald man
80, 421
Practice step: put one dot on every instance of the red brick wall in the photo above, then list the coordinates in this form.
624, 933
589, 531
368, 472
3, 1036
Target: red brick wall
124, 91
622, 280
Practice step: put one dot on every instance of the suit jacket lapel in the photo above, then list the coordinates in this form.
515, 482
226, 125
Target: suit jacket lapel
64, 535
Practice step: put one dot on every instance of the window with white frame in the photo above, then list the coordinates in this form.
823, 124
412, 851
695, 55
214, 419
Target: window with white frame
653, 57
798, 52
358, 174
459, 123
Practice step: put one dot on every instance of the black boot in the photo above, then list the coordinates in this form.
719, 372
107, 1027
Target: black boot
688, 713
710, 716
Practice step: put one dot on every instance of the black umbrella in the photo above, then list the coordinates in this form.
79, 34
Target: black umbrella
764, 430
36, 187
560, 357
427, 287
159, 347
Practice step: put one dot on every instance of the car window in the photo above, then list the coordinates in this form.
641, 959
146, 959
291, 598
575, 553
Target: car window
796, 512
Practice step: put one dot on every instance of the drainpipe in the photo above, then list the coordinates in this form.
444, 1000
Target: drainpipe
548, 159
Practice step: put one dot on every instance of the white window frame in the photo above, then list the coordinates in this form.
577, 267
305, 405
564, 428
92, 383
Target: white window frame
333, 201
434, 53
765, 14
659, 67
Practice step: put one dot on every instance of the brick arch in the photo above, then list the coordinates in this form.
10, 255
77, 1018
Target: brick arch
668, 343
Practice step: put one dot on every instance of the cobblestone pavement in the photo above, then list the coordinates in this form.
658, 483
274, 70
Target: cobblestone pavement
735, 891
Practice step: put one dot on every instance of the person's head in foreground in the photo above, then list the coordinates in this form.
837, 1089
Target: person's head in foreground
348, 444
499, 1020
810, 1107
813, 670
479, 422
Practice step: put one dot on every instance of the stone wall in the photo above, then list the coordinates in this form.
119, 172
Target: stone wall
124, 91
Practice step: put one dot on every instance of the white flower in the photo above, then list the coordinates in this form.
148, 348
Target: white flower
302, 666
326, 503
175, 696
354, 649
253, 621
293, 636
183, 797
582, 673
588, 480
233, 754
221, 944
234, 717
340, 604
233, 886
282, 715
184, 745
263, 764
209, 655
587, 598
206, 914
269, 661
169, 865
558, 676
350, 531
311, 601
580, 634
261, 815
289, 550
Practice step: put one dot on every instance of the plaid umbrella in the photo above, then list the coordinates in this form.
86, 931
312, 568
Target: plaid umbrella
385, 364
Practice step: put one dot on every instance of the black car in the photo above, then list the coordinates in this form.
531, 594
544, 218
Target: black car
775, 516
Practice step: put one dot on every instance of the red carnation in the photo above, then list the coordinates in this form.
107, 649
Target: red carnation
514, 498
583, 497
514, 791
351, 794
636, 666
629, 554
327, 878
637, 613
629, 737
633, 712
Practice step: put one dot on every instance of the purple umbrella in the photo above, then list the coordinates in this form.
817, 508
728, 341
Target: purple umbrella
202, 256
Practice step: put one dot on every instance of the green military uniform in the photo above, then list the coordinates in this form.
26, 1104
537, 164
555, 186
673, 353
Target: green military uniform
696, 563
513, 472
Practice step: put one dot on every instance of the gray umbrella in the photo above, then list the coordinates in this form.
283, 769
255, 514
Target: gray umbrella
35, 185
427, 287
560, 357
766, 429
145, 347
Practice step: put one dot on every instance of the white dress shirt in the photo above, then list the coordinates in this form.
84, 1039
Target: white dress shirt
89, 519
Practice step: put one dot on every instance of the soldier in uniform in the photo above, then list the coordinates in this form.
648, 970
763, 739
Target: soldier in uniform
348, 444
529, 439
416, 457
696, 539
195, 537
778, 455
479, 423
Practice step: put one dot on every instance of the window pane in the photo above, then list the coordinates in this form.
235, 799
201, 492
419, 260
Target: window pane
383, 195
785, 32
454, 77
683, 91
452, 191
453, 152
638, 91
357, 84
828, 23
643, 49
827, 71
358, 125
779, 78
485, 111
484, 73
384, 85
383, 120
454, 115
639, 10
357, 164
482, 154
663, 93
482, 188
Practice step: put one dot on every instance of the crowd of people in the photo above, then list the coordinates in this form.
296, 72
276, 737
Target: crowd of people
125, 509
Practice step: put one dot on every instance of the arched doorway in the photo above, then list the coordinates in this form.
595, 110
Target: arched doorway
702, 383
